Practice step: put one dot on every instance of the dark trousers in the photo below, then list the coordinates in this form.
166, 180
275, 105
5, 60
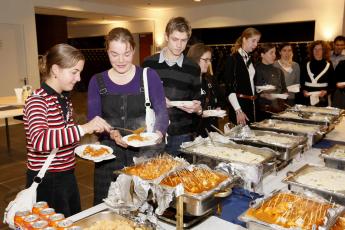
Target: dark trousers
174, 143
104, 171
59, 190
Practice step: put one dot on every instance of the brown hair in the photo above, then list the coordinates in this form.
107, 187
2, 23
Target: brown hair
326, 50
63, 55
247, 33
197, 50
119, 34
180, 24
283, 45
265, 47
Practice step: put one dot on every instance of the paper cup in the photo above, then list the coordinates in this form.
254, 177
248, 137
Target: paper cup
19, 94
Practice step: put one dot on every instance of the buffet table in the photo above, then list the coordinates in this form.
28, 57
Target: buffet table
270, 183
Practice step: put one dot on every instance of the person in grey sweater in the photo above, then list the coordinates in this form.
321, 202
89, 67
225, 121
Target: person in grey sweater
291, 71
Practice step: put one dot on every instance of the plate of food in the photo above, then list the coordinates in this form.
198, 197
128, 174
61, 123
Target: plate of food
94, 152
181, 103
214, 113
141, 139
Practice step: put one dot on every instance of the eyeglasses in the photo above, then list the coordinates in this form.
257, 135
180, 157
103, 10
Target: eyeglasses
206, 59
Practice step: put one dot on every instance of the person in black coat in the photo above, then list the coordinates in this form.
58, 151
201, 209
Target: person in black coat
211, 98
338, 99
239, 74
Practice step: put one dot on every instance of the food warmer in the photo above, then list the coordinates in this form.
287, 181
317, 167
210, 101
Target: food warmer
334, 157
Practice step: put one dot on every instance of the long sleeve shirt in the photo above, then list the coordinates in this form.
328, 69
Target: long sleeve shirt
47, 128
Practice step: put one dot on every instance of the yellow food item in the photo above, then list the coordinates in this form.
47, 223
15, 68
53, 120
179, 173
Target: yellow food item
153, 168
196, 180
113, 225
95, 152
290, 211
137, 137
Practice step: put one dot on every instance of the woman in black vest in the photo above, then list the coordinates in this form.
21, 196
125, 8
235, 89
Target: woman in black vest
239, 76
117, 95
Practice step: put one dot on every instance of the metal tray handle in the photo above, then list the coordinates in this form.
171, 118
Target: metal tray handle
225, 193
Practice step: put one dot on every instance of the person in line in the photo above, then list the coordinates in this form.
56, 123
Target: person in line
317, 76
337, 53
49, 124
118, 96
267, 74
338, 99
211, 99
239, 74
291, 71
181, 80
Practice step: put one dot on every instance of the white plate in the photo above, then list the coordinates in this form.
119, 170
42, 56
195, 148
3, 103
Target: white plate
261, 88
181, 103
80, 152
279, 95
152, 138
214, 113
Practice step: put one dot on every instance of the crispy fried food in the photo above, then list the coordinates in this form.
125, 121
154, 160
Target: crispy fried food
340, 224
153, 168
290, 211
196, 180
90, 151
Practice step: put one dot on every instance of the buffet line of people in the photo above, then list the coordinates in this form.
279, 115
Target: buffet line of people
183, 94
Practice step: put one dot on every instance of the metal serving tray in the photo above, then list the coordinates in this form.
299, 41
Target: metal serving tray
314, 109
201, 204
286, 152
109, 215
314, 132
255, 224
269, 155
334, 196
331, 160
308, 118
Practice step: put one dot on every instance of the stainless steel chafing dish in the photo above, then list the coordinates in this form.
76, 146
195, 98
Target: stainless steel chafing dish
267, 156
294, 144
111, 216
334, 157
296, 184
309, 118
200, 204
314, 132
261, 223
313, 109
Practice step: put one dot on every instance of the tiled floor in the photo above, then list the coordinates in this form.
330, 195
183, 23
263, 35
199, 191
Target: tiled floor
13, 168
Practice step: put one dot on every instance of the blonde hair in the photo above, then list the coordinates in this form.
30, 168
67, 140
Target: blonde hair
63, 55
247, 33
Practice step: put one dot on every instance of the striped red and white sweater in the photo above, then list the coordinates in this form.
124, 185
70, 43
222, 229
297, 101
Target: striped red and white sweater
46, 129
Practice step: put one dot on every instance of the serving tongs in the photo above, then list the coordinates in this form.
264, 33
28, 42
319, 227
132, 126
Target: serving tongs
136, 131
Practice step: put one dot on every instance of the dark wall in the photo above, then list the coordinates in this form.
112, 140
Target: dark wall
279, 32
50, 30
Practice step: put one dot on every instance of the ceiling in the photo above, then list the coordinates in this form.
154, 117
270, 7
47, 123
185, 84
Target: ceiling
159, 3
89, 18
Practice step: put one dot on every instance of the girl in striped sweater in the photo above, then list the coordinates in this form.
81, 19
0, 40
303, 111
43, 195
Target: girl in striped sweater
49, 124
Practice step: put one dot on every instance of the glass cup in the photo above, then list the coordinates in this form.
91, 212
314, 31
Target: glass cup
19, 94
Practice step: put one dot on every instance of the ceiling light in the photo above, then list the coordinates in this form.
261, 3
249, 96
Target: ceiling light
197, 0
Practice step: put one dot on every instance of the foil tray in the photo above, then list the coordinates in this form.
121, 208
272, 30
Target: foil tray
255, 224
287, 152
335, 196
314, 109
269, 155
314, 132
201, 204
306, 117
109, 215
331, 160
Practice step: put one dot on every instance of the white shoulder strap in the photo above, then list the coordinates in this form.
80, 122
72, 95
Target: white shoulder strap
146, 89
46, 164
